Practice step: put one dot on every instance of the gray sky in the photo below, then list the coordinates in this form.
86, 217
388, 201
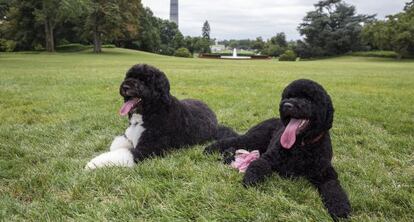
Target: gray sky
238, 19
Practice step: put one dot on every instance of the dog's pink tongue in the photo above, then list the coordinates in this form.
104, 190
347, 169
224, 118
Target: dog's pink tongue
288, 137
128, 105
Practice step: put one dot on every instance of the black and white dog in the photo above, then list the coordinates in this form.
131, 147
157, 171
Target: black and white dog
296, 145
158, 121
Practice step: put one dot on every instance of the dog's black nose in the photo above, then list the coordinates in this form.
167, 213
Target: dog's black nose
125, 88
287, 105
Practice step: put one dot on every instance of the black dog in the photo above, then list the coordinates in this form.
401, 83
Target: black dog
158, 121
297, 144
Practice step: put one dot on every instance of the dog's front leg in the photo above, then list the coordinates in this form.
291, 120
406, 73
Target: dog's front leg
151, 145
121, 142
333, 195
131, 136
118, 157
223, 145
257, 172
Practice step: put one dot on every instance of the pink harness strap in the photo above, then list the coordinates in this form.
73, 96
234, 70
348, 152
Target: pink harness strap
243, 159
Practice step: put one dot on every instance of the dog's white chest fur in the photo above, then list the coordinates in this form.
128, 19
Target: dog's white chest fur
120, 150
135, 129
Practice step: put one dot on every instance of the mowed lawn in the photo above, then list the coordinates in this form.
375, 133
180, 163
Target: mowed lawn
57, 111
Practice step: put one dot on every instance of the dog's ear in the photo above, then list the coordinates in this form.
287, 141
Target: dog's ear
165, 92
329, 115
162, 87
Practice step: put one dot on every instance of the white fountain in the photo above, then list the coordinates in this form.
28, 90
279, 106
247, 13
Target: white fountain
235, 56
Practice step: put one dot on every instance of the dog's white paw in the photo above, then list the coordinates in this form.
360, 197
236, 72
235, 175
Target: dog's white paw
119, 157
120, 142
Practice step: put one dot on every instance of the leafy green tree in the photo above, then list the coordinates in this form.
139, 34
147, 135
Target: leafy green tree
52, 13
233, 44
206, 30
409, 6
396, 33
288, 55
33, 23
130, 26
189, 44
158, 35
4, 7
202, 45
377, 35
280, 40
171, 37
272, 49
333, 28
112, 19
149, 32
258, 44
20, 24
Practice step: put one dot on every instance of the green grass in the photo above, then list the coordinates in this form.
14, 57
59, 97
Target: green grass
57, 111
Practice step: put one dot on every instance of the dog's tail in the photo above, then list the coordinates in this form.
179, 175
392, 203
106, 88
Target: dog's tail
224, 132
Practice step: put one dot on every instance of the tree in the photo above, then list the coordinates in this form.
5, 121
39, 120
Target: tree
4, 7
280, 40
272, 49
111, 19
159, 35
189, 44
258, 44
377, 35
206, 30
201, 45
33, 23
54, 12
130, 26
333, 28
171, 37
20, 25
409, 6
149, 32
396, 33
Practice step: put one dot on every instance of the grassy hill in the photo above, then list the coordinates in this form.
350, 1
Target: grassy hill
57, 111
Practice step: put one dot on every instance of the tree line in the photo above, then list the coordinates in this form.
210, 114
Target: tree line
332, 28
396, 33
42, 25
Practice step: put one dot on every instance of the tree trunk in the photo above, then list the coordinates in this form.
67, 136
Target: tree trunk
97, 48
50, 44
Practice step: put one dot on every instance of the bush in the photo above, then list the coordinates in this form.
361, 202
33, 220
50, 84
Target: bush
306, 51
38, 47
166, 50
273, 50
383, 54
182, 52
289, 55
108, 46
74, 47
7, 45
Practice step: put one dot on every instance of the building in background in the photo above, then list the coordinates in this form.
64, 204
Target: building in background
217, 47
174, 11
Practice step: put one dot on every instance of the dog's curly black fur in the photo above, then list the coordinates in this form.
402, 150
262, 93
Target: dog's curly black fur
311, 154
169, 123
